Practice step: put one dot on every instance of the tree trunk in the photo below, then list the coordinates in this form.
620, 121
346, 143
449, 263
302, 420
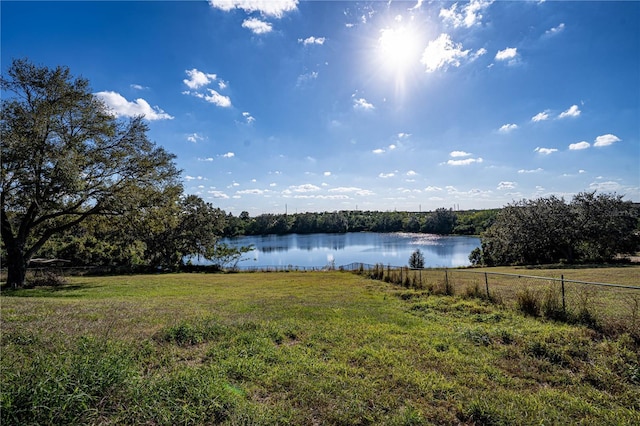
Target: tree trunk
16, 270
16, 262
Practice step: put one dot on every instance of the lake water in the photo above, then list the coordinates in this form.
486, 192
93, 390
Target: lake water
318, 250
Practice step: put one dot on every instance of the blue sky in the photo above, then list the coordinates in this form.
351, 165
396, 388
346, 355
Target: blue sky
330, 105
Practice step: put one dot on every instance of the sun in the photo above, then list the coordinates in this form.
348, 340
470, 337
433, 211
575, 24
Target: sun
399, 49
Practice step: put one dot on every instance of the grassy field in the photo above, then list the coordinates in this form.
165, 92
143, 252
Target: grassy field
308, 348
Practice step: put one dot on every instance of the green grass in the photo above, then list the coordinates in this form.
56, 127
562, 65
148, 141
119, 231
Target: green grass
299, 348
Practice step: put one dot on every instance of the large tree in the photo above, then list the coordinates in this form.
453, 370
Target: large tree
591, 228
65, 157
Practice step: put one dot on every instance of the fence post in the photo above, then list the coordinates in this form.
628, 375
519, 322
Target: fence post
446, 281
420, 278
564, 307
486, 283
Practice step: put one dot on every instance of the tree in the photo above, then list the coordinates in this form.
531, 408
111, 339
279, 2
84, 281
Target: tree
66, 158
226, 256
607, 226
416, 260
548, 230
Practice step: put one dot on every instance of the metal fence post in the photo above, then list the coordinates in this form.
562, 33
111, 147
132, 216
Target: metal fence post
564, 307
486, 283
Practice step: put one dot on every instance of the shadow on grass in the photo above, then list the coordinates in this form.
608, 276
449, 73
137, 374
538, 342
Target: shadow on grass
66, 290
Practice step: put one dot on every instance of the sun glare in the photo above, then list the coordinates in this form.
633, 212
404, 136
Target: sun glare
399, 48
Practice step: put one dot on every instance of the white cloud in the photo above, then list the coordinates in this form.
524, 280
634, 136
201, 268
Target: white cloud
459, 154
306, 78
608, 186
208, 159
418, 5
468, 16
541, 116
545, 151
228, 155
378, 151
252, 192
119, 105
480, 52
138, 87
190, 178
509, 53
579, 145
555, 30
327, 174
352, 189
386, 175
403, 135
606, 140
412, 173
465, 162
312, 40
506, 128
275, 8
248, 117
573, 111
198, 79
257, 26
538, 170
307, 187
433, 188
216, 98
218, 194
362, 104
442, 53
194, 137
506, 185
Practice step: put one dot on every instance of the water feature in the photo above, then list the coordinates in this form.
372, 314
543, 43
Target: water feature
318, 250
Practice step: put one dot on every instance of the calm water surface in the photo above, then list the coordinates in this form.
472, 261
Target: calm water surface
317, 250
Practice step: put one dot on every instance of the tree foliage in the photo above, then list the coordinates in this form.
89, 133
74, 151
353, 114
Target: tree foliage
416, 260
591, 228
66, 158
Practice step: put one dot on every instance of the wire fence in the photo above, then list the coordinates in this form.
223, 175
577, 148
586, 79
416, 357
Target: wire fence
605, 307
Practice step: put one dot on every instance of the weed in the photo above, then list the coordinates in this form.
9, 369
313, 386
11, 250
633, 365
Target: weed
528, 302
186, 334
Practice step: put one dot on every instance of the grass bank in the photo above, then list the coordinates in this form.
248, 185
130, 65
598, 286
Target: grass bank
299, 348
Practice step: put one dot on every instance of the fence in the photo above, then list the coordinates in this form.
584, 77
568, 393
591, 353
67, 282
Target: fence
604, 306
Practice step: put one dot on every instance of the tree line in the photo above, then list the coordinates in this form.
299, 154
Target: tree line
440, 221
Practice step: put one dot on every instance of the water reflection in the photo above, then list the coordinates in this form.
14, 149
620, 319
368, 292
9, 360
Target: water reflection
362, 247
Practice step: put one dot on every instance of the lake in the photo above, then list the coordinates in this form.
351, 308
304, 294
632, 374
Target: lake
319, 250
